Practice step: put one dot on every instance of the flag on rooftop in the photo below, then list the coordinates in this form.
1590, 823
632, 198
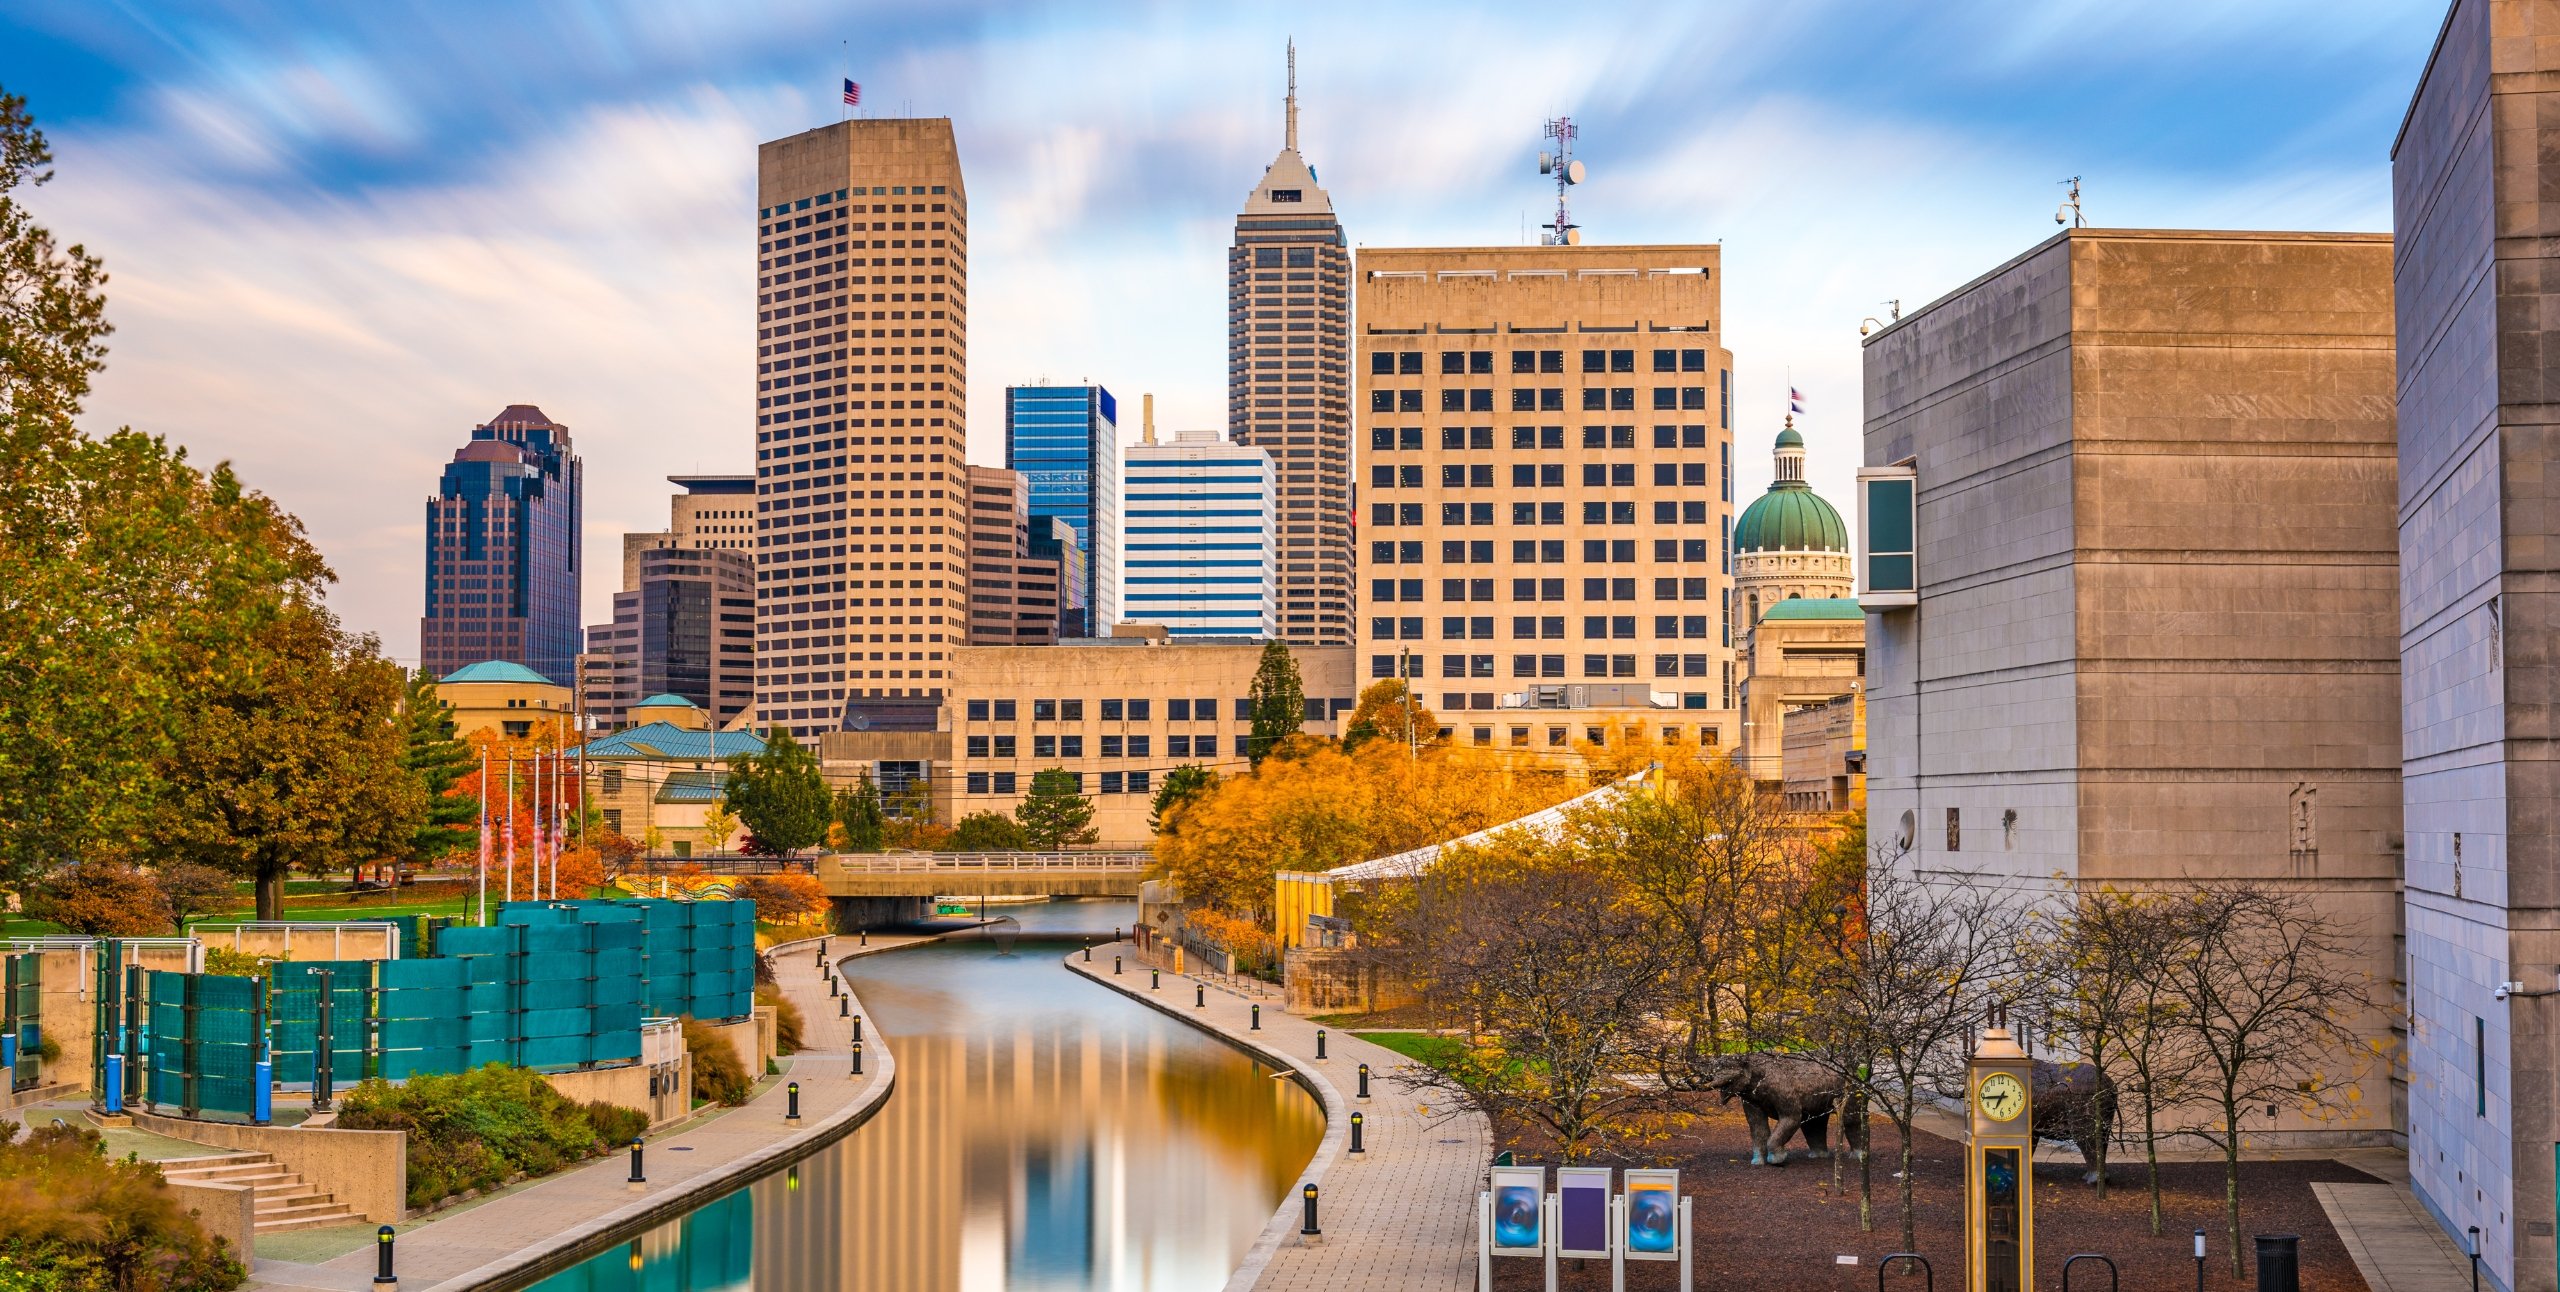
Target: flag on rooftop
1795, 400
852, 91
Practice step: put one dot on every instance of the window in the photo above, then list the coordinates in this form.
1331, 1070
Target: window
1071, 710
1111, 710
2480, 1067
1137, 782
1044, 746
977, 711
1382, 363
613, 820
1111, 746
1955, 830
977, 746
1409, 363
1111, 782
1004, 710
1177, 746
1071, 746
1177, 710
1004, 747
612, 778
1044, 711
1204, 746
1004, 782
1138, 710
1140, 746
977, 782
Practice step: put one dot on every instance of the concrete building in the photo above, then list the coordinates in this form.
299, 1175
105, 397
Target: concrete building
507, 700
1013, 597
2144, 480
1803, 651
658, 780
1548, 519
862, 288
1825, 751
684, 621
1200, 542
2479, 538
1065, 443
1054, 541
503, 556
1801, 641
1289, 379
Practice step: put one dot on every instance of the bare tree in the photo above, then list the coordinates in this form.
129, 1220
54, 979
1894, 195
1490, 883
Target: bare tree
1919, 967
2098, 969
2262, 982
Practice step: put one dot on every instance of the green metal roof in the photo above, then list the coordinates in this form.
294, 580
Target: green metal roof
1791, 517
666, 700
498, 670
1790, 438
1814, 608
667, 742
693, 787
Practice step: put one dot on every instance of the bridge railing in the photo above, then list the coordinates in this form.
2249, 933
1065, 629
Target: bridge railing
913, 863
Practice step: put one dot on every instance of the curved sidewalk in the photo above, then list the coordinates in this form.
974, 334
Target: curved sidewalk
1399, 1215
527, 1233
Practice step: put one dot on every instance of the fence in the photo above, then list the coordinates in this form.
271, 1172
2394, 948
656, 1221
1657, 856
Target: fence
21, 1006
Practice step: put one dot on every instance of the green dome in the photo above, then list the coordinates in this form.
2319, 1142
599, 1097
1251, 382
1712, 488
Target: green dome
1789, 439
1791, 517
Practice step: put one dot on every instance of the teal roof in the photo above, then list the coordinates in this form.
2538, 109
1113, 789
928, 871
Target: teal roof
498, 670
1791, 517
667, 742
1790, 438
665, 700
1814, 608
693, 787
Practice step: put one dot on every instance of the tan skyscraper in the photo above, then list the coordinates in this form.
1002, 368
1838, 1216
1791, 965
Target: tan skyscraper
1289, 379
862, 253
1549, 490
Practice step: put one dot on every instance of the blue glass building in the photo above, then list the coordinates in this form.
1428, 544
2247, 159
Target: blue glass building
502, 550
1065, 442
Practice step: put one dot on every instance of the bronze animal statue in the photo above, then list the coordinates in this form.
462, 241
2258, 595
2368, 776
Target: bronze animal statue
2075, 1102
1782, 1095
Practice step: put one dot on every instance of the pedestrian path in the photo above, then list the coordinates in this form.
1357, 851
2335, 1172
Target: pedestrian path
2396, 1245
1398, 1216
528, 1232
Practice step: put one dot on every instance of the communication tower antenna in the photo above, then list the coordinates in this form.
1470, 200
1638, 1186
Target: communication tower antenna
1568, 172
2069, 212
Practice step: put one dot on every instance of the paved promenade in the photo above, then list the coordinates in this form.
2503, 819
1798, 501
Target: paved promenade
1399, 1216
2396, 1245
520, 1234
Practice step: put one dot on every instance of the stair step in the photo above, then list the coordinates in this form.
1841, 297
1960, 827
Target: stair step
314, 1207
295, 1196
340, 1216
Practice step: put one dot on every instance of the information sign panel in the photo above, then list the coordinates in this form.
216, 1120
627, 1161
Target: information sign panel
1519, 1210
1582, 1211
1653, 1215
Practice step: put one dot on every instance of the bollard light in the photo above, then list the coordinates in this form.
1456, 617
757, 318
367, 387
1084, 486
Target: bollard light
844, 1006
636, 1176
1319, 1045
793, 1114
1200, 995
1364, 1083
1356, 1122
382, 1275
857, 1029
866, 938
1115, 964
1257, 1026
1155, 979
857, 1058
1309, 1229
2199, 1260
2475, 1258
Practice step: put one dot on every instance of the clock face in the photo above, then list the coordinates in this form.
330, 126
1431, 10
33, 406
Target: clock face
2001, 1097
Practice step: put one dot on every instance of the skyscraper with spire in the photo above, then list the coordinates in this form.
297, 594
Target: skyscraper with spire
1289, 379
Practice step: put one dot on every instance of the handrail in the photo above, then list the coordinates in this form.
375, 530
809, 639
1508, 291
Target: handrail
2112, 1278
932, 862
1929, 1276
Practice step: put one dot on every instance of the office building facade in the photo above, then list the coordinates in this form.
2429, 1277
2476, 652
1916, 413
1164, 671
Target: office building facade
1547, 492
1289, 380
1199, 542
503, 559
684, 620
1065, 443
1013, 596
862, 257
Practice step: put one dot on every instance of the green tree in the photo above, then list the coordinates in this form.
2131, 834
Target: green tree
439, 760
1389, 710
1056, 814
858, 811
193, 889
780, 795
989, 832
718, 825
53, 315
1279, 701
1176, 791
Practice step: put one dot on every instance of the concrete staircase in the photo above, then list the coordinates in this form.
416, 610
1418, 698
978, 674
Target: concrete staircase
284, 1200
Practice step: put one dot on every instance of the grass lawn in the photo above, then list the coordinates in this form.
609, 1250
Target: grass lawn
1422, 1047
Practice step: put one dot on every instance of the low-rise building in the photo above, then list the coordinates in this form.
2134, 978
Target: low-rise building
1803, 650
657, 780
507, 700
1826, 754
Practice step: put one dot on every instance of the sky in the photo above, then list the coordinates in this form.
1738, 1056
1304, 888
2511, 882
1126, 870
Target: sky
342, 235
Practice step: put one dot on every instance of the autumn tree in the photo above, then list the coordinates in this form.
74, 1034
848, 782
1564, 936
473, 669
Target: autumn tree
989, 832
106, 899
719, 825
859, 812
780, 795
1391, 712
1056, 814
2102, 968
787, 898
912, 822
193, 889
1180, 788
1279, 702
438, 758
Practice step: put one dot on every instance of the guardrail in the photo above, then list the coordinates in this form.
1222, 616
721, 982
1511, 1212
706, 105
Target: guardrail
918, 863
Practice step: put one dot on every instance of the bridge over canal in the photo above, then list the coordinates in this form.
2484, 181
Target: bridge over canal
870, 889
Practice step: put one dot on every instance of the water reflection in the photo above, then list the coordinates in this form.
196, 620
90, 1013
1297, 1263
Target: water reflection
1045, 1135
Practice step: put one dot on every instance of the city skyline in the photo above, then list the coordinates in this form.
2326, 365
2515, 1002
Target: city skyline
259, 196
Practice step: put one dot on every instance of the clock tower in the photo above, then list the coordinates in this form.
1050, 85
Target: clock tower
1999, 1199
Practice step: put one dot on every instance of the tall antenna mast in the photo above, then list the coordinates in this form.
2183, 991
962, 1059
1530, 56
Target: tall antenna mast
1293, 95
2069, 212
1568, 172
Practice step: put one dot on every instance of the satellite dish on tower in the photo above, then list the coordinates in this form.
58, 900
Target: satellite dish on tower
1573, 172
1546, 163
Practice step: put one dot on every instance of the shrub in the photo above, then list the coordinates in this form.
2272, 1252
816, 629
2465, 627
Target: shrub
616, 1124
235, 964
717, 1074
101, 898
475, 1129
786, 898
788, 1025
71, 1218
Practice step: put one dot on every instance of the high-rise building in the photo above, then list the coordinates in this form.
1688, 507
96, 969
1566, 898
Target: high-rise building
1053, 540
862, 253
1197, 546
503, 562
1065, 442
1549, 526
684, 621
1289, 379
1013, 596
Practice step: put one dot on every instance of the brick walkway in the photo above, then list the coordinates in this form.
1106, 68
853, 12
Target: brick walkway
520, 1235
1401, 1215
2396, 1245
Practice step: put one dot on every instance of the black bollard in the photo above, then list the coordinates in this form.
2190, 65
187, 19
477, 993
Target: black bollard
822, 955
1309, 1228
831, 987
1364, 1083
1115, 964
1088, 951
382, 1275
1257, 1026
1355, 1133
844, 1006
2279, 1263
866, 938
1155, 979
857, 1029
636, 1177
1319, 1045
793, 1114
2475, 1258
1200, 995
857, 1058
1115, 932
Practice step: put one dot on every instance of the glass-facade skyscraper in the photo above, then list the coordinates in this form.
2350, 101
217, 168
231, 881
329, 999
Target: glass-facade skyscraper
1199, 538
503, 562
1065, 442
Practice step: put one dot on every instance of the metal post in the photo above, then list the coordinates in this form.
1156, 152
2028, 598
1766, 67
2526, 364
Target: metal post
1364, 1083
1257, 1019
323, 1044
1155, 979
636, 1176
2475, 1258
1484, 1242
865, 935
857, 1058
1308, 1229
1617, 1243
1355, 1133
1115, 964
382, 1275
1200, 995
2199, 1260
1688, 1247
1319, 1045
1088, 951
1546, 1233
857, 1029
794, 1114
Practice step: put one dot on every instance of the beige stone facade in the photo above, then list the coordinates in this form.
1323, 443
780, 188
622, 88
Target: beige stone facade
684, 620
509, 701
1825, 751
862, 242
1548, 492
1804, 651
1013, 596
2157, 632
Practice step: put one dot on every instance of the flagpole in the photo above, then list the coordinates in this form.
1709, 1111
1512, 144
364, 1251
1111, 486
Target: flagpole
484, 834
511, 825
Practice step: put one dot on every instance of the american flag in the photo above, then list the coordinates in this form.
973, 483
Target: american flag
852, 91
1795, 400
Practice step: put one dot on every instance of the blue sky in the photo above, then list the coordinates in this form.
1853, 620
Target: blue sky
341, 235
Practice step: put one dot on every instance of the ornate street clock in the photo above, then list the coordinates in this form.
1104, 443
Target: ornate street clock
1999, 1166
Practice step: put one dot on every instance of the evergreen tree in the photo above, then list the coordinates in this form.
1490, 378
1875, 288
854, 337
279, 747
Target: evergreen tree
780, 795
1179, 787
439, 760
1279, 702
858, 811
989, 832
1056, 814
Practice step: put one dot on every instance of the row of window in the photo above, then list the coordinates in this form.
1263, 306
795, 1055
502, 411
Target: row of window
1539, 475
1541, 627
1408, 363
1618, 589
1550, 551
1133, 710
1409, 438
1067, 746
1547, 399
1112, 782
1543, 666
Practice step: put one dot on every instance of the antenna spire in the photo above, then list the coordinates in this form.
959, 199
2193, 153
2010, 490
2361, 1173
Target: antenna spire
1293, 95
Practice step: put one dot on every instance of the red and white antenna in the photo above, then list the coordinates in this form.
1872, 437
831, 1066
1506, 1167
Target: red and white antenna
1568, 172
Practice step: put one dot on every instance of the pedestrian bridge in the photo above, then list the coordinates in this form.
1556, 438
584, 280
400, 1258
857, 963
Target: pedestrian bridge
983, 874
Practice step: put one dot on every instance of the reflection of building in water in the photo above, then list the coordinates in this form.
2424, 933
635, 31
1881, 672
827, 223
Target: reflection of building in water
710, 1250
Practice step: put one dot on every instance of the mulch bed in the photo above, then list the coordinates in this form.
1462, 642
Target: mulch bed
1763, 1229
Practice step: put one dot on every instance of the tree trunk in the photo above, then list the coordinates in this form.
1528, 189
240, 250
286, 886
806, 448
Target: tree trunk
1867, 1193
1910, 1235
270, 892
2151, 1158
2105, 1115
2231, 1177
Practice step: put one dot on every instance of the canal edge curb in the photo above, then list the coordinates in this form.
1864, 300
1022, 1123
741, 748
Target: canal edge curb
567, 1249
1284, 1221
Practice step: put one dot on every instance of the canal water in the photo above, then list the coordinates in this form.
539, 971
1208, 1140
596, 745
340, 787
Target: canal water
1046, 1135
